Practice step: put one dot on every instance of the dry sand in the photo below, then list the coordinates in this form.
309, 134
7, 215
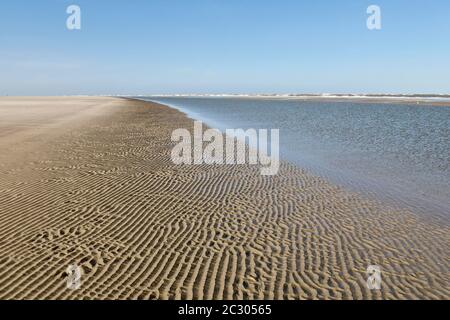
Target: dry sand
90, 181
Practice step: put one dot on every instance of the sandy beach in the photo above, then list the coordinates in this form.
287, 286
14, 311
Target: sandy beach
90, 181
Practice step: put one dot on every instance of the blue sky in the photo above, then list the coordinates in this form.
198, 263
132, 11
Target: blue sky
218, 46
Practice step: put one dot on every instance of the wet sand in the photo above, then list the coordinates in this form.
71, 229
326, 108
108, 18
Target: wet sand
90, 181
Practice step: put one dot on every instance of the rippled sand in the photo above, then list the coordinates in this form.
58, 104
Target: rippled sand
90, 181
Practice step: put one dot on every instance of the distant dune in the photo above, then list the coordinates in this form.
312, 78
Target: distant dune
89, 181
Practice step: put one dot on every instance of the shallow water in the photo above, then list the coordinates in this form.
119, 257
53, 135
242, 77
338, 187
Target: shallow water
396, 153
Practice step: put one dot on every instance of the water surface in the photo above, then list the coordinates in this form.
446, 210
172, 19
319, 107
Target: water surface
397, 153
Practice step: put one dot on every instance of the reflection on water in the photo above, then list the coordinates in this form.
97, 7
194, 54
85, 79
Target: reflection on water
399, 153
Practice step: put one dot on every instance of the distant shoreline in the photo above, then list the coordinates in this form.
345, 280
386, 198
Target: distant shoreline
419, 99
435, 100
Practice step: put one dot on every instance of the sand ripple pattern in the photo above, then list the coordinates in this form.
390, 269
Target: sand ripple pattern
104, 194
